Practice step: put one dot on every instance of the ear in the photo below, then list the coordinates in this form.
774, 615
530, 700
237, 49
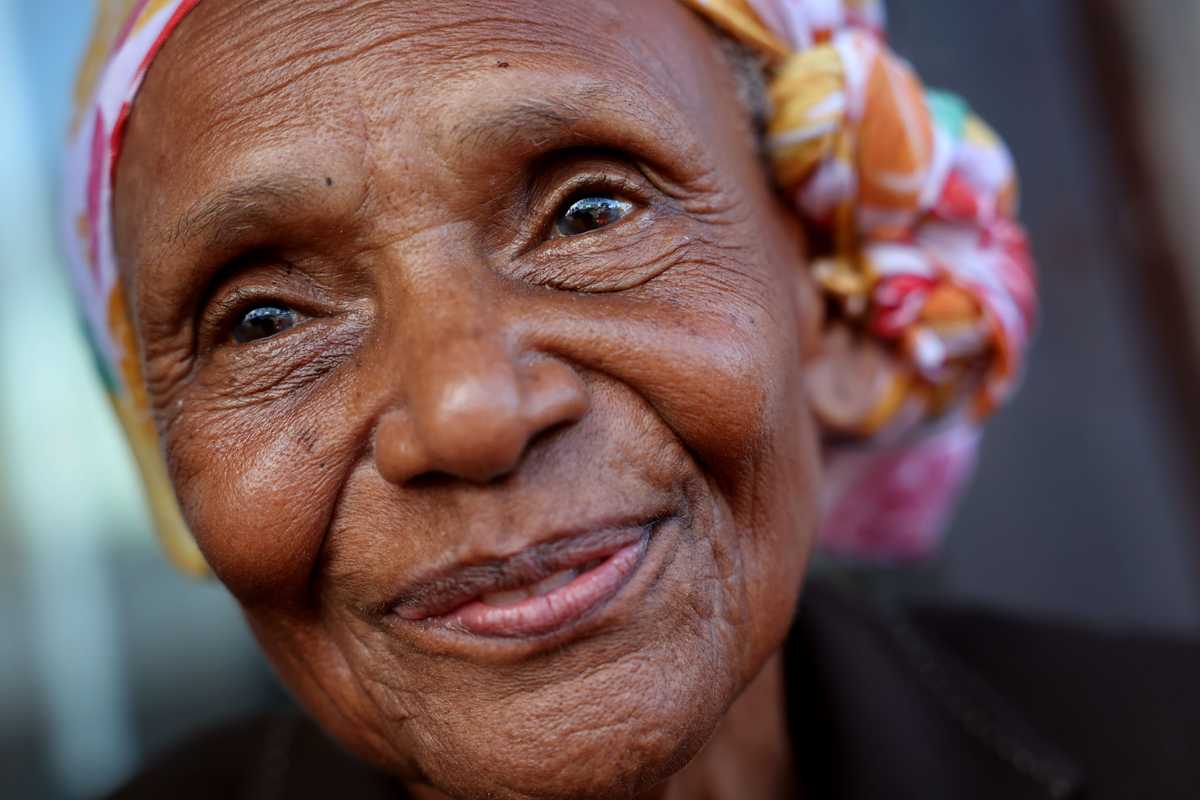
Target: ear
810, 305
854, 384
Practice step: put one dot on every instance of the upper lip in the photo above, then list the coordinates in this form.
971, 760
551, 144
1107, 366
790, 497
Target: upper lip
445, 591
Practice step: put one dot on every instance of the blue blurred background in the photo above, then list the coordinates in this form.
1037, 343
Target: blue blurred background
105, 654
1084, 507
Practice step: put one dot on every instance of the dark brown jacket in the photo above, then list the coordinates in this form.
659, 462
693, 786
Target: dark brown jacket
885, 702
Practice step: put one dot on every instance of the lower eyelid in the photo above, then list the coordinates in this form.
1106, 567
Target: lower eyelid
215, 334
641, 252
236, 379
265, 362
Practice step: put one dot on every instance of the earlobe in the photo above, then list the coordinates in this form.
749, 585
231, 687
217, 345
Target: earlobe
810, 312
854, 384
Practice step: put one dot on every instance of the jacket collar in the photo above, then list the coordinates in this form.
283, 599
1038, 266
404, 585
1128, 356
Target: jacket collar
878, 710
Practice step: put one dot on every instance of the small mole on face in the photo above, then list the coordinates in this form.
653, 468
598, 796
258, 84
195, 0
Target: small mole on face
328, 181
502, 64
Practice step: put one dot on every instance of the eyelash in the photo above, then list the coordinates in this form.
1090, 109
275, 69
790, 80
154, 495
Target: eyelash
223, 315
582, 186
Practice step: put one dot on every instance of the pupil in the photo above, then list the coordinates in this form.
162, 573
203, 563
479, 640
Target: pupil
261, 322
590, 213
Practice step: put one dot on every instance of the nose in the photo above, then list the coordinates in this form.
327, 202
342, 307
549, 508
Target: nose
472, 411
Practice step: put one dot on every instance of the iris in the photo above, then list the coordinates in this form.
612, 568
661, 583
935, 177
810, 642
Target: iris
263, 321
590, 213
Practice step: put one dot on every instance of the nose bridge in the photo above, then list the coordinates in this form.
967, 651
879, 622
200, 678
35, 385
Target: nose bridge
467, 400
448, 323
439, 302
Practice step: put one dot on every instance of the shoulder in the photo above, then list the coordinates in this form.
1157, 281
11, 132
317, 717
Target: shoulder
272, 756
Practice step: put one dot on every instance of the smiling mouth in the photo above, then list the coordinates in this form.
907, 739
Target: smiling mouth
537, 591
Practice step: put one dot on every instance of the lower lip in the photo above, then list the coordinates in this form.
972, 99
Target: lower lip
546, 613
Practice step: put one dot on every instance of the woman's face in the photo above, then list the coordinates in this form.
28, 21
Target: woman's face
438, 301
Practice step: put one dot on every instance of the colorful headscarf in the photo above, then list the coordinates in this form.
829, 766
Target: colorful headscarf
928, 276
910, 198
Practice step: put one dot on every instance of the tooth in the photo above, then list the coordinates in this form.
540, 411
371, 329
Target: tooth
548, 585
508, 598
511, 597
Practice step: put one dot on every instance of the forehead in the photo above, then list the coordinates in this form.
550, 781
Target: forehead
244, 84
233, 52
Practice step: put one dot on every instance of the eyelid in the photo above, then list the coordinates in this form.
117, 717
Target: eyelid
583, 185
222, 313
586, 182
598, 174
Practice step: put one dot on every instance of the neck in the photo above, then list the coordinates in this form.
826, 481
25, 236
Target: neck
749, 757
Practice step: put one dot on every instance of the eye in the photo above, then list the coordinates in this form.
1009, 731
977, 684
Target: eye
590, 213
261, 322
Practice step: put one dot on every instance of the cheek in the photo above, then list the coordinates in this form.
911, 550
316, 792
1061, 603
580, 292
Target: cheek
748, 421
727, 376
723, 367
257, 486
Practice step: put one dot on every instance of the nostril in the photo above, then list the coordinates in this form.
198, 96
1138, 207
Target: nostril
554, 396
399, 456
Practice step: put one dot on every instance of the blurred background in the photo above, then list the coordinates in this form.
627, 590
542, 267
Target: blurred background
1085, 504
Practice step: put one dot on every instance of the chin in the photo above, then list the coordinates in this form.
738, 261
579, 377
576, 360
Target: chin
613, 733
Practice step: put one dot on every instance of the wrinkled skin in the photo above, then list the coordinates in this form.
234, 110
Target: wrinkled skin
462, 381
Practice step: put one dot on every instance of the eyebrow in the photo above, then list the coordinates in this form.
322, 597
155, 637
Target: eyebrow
221, 218
531, 119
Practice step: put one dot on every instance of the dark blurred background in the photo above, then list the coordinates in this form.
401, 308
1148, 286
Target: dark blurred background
1084, 506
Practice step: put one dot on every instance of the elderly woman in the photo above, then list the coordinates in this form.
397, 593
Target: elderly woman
507, 359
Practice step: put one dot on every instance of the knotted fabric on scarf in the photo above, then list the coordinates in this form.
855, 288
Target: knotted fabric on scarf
910, 199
